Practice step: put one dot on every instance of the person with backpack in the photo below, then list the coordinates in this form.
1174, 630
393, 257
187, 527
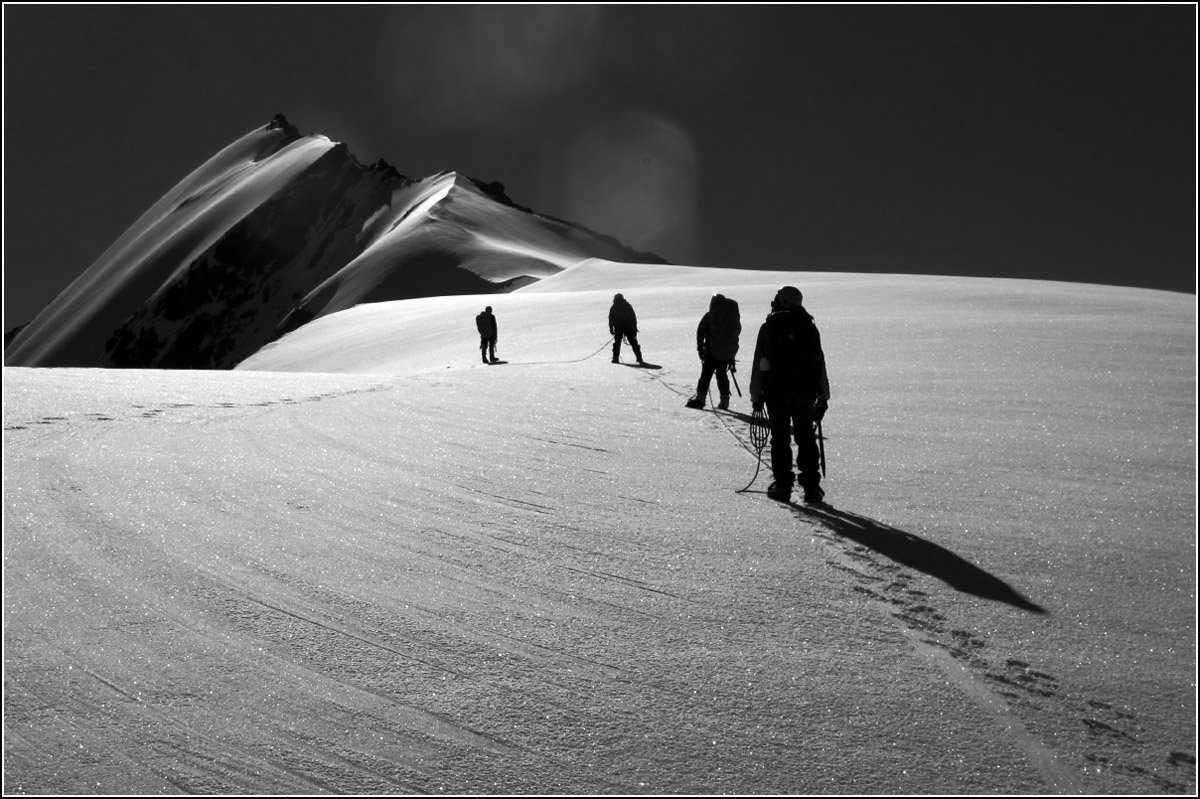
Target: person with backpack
622, 323
488, 334
789, 376
717, 344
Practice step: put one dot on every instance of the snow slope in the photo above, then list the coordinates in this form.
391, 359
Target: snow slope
364, 562
446, 235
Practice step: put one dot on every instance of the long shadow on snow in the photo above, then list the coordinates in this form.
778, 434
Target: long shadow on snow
910, 550
917, 553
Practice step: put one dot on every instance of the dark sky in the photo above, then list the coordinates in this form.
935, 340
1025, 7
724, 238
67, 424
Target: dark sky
1027, 141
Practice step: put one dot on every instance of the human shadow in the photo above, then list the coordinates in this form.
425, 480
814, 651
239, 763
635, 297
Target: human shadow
917, 553
642, 365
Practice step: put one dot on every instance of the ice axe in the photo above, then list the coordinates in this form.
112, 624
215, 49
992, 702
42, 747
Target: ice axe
821, 444
733, 374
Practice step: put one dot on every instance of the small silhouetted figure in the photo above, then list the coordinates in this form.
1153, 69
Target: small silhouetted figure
486, 322
717, 338
622, 323
789, 376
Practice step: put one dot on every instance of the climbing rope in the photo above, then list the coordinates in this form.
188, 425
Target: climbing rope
594, 354
760, 429
760, 425
577, 360
760, 433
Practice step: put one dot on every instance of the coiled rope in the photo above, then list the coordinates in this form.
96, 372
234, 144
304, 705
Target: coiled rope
760, 434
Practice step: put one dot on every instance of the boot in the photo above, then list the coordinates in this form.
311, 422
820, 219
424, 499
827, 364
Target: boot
696, 402
813, 494
724, 403
781, 492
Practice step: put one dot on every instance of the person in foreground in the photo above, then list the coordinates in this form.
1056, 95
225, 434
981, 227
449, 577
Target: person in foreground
789, 376
622, 323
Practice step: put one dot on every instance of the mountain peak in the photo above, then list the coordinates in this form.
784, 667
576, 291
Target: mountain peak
280, 122
386, 171
273, 232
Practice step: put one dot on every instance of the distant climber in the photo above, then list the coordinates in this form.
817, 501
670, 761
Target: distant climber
622, 323
486, 322
717, 345
789, 376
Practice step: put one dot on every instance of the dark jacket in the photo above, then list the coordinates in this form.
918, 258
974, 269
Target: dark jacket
788, 358
621, 317
486, 323
719, 330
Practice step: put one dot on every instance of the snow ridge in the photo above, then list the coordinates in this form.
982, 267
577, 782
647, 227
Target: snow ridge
278, 229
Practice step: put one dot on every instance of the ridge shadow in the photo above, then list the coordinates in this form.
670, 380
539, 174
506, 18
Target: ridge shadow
917, 553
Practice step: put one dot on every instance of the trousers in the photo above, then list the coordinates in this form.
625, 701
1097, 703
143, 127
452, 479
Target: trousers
720, 369
633, 344
792, 418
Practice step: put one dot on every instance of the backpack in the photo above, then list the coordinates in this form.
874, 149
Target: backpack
793, 348
621, 317
724, 329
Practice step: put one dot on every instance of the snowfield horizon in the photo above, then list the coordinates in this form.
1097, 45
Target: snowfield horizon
364, 562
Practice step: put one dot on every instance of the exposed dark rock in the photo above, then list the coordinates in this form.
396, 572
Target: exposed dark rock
10, 335
228, 303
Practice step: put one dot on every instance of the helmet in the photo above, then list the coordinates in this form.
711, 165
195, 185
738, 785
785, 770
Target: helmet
789, 297
618, 297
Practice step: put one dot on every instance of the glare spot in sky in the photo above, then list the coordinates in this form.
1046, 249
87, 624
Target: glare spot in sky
635, 177
479, 63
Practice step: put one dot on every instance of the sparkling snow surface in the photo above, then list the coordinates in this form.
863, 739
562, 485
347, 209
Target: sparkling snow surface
366, 562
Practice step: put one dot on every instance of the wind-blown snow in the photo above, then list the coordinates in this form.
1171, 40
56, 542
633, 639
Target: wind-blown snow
452, 239
364, 562
278, 229
175, 231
